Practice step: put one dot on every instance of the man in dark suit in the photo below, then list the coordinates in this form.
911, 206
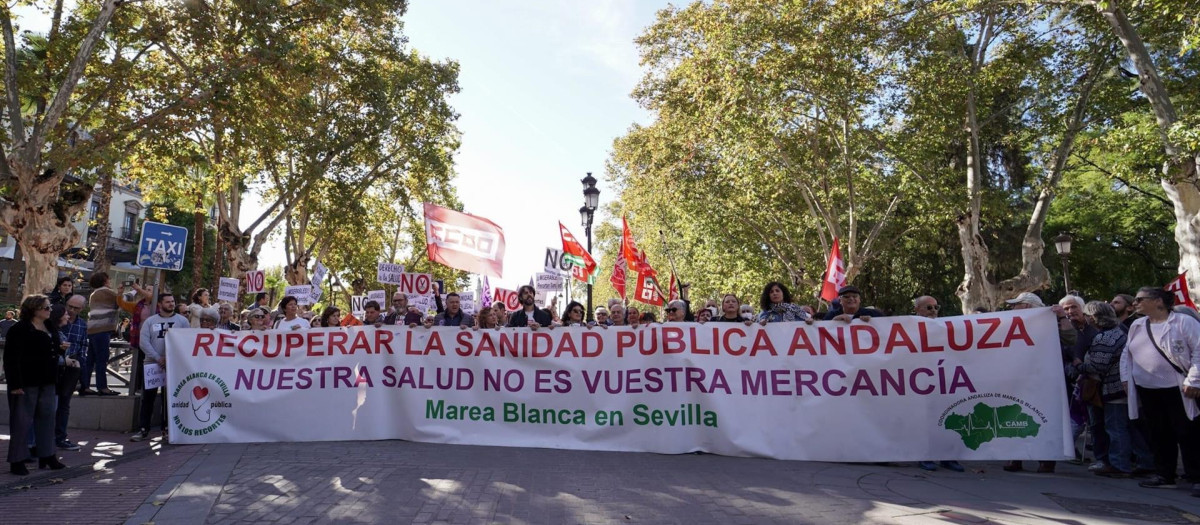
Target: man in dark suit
529, 315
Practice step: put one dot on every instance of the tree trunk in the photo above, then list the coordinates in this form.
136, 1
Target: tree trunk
198, 246
237, 250
1179, 177
296, 272
39, 218
103, 222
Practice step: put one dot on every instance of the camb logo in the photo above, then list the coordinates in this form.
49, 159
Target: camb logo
199, 404
1003, 417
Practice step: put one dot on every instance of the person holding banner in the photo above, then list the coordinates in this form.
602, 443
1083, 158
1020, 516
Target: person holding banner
31, 354
573, 315
776, 305
676, 311
257, 319
331, 317
1160, 369
453, 314
501, 313
291, 320
632, 317
616, 315
601, 315
371, 314
850, 301
401, 314
529, 315
486, 319
154, 344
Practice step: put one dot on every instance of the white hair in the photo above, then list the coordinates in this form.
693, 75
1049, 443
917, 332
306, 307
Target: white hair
1069, 299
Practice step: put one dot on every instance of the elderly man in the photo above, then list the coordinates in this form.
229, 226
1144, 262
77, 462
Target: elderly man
225, 321
75, 335
1085, 333
851, 308
401, 314
616, 315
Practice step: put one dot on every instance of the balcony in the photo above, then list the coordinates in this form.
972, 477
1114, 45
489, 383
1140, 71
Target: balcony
128, 233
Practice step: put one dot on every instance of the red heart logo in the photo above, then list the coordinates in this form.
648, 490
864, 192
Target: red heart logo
200, 392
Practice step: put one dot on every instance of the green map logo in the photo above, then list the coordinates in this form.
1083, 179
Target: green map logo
986, 423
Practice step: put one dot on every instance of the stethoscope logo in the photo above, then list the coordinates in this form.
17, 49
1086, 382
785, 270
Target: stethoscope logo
200, 409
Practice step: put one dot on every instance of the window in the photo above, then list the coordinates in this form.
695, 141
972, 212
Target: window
93, 211
130, 224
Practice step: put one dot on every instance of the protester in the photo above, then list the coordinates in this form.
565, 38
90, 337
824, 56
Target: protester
648, 317
601, 315
154, 345
10, 318
260, 301
143, 307
926, 306
573, 315
1072, 306
850, 307
64, 287
746, 312
102, 322
486, 319
501, 313
616, 315
1122, 304
371, 315
676, 311
776, 304
529, 315
291, 319
1102, 364
730, 310
400, 313
209, 318
331, 317
453, 314
257, 319
31, 354
200, 301
1066, 339
1160, 367
225, 322
428, 321
74, 334
704, 315
632, 316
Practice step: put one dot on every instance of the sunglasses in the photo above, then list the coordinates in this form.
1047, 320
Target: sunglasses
1140, 299
45, 308
576, 311
672, 309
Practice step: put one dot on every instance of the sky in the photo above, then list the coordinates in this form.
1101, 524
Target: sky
545, 89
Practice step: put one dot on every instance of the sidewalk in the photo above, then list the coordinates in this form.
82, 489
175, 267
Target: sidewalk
404, 482
104, 482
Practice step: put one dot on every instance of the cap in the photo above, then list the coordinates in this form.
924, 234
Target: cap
848, 289
1028, 298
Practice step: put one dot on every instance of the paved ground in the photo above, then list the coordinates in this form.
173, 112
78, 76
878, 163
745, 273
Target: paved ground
402, 482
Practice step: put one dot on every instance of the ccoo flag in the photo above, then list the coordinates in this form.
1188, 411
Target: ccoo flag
835, 274
1180, 288
464, 241
585, 266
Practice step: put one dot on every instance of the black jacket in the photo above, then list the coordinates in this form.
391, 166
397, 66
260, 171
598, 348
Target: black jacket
519, 319
31, 356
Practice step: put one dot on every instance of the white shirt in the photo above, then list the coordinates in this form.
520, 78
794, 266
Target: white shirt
1147, 367
298, 323
1142, 365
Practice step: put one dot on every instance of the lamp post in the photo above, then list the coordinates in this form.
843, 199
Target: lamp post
591, 199
1062, 243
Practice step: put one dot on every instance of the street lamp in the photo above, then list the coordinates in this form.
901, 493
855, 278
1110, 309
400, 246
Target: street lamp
1062, 243
591, 199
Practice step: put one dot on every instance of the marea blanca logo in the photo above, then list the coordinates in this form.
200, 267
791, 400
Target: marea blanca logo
1011, 418
199, 403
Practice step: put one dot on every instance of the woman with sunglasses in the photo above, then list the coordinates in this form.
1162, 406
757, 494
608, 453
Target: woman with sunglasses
573, 315
31, 354
257, 320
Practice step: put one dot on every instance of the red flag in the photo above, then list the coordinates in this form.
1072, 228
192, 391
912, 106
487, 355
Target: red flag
635, 259
464, 241
647, 290
835, 273
1180, 287
618, 276
673, 288
508, 298
585, 266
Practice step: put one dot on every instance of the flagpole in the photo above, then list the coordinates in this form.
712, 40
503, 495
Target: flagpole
670, 260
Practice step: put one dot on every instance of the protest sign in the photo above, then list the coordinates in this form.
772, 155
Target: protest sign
418, 283
556, 263
467, 301
388, 273
318, 276
549, 282
155, 375
380, 297
983, 387
509, 298
256, 281
423, 303
227, 290
302, 293
358, 305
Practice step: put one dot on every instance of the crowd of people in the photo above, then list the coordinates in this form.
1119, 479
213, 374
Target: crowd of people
1131, 364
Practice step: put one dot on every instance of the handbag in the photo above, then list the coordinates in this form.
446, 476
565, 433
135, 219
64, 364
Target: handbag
1090, 391
68, 379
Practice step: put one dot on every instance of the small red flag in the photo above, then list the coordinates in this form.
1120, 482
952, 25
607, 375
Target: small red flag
618, 276
1180, 287
647, 290
835, 274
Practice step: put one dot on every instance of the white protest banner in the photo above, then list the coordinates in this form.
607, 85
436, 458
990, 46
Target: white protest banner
315, 294
358, 305
227, 290
549, 282
388, 273
302, 293
555, 263
509, 298
154, 375
380, 297
318, 276
984, 387
418, 283
256, 281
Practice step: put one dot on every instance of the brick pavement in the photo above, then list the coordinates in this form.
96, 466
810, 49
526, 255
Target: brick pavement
104, 483
403, 482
